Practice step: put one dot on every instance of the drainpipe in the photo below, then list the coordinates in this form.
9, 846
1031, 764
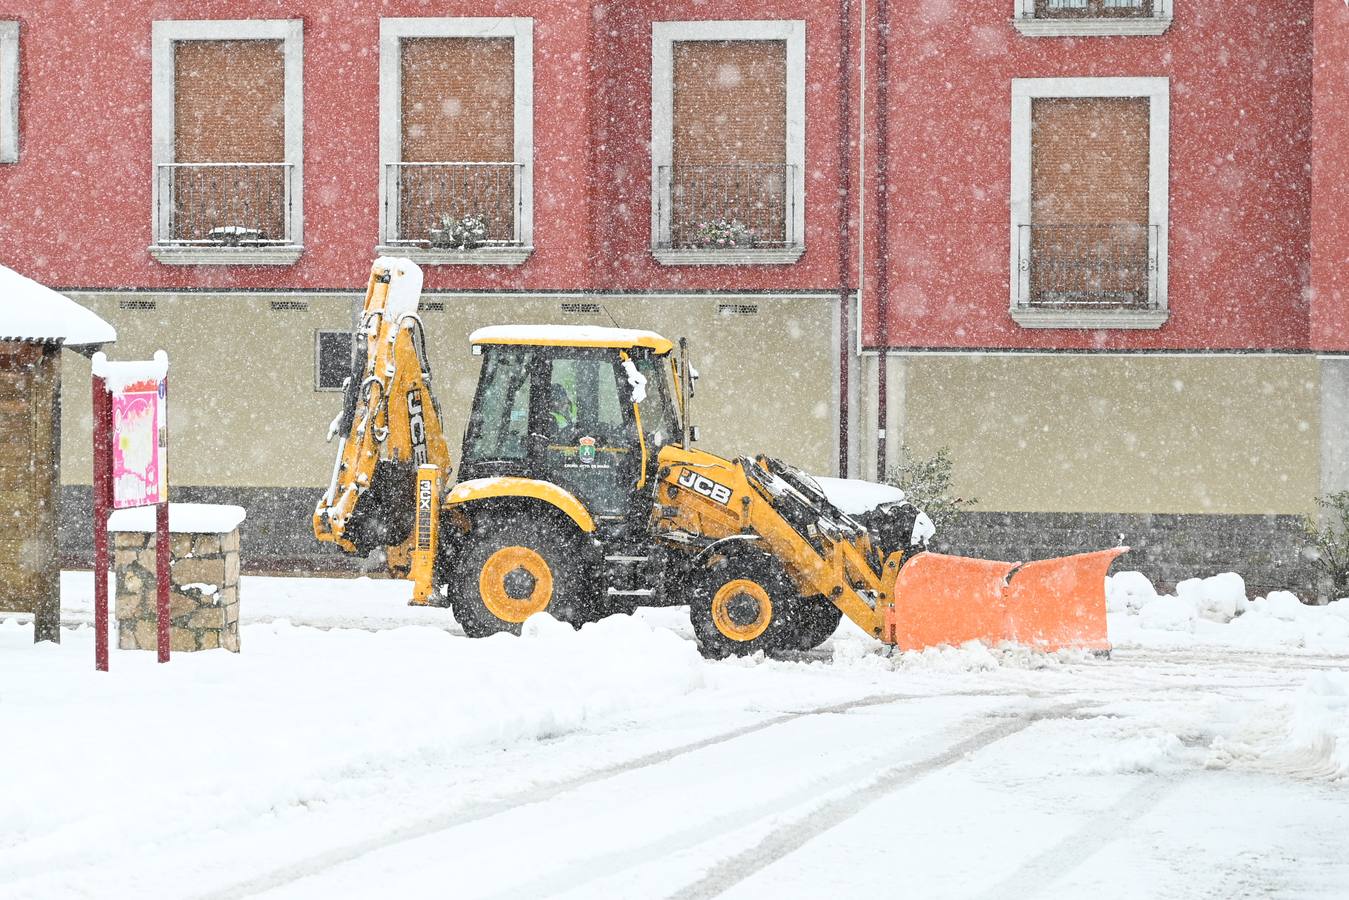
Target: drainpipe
882, 228
844, 241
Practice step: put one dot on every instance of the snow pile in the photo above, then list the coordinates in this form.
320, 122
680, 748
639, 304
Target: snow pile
1307, 737
1319, 725
855, 496
1128, 592
302, 718
860, 652
1216, 611
1159, 751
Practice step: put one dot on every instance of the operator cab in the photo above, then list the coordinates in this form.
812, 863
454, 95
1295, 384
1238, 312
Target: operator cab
559, 403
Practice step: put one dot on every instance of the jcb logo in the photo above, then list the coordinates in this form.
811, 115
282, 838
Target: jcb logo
416, 426
705, 486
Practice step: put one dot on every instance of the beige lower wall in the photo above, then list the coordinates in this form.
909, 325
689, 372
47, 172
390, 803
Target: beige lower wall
1096, 433
243, 409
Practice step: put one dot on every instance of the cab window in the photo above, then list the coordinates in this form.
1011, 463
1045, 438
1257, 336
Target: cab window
660, 424
500, 425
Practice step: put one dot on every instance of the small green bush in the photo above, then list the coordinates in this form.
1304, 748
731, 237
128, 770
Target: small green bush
926, 482
1329, 537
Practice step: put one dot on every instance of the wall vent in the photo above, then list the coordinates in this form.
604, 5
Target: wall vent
582, 309
431, 306
283, 305
135, 304
737, 309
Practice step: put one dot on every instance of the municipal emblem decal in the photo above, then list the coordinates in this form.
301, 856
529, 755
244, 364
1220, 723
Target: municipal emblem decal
586, 451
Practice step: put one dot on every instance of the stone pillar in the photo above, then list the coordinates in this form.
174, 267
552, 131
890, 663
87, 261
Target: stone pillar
203, 585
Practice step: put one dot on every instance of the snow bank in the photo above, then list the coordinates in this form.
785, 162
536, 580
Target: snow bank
215, 742
1216, 611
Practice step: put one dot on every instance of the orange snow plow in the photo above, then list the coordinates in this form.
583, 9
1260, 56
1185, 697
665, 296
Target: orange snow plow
1047, 605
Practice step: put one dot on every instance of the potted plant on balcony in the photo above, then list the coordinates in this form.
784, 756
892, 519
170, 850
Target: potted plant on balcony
460, 234
723, 234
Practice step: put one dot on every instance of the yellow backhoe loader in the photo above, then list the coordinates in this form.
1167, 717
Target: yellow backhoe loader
579, 492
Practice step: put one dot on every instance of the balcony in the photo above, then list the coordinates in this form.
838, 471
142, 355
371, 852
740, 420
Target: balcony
464, 213
225, 213
727, 214
1090, 275
1087, 18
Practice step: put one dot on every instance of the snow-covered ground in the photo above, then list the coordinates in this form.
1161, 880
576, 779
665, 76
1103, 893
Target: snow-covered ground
359, 747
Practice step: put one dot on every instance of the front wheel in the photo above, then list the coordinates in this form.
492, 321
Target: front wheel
512, 568
815, 619
741, 606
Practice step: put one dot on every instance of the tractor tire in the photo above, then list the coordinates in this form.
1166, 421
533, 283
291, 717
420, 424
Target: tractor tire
814, 620
742, 605
511, 568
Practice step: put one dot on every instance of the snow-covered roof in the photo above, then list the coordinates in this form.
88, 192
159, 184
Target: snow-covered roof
571, 336
34, 312
184, 518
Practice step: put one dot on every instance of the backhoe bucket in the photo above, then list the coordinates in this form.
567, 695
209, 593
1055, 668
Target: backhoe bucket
1047, 605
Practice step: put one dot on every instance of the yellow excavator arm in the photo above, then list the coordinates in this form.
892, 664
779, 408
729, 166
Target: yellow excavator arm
393, 463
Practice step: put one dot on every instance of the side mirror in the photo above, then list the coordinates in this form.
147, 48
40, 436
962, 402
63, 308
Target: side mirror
693, 433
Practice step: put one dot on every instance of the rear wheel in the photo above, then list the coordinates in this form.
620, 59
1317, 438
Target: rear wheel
511, 568
741, 606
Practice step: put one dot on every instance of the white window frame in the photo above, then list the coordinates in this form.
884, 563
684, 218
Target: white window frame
664, 35
9, 92
1158, 93
1025, 21
164, 35
391, 35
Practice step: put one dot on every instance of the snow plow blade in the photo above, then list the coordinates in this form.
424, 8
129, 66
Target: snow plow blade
1047, 605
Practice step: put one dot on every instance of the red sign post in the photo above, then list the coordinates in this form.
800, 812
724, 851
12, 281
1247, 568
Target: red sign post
130, 469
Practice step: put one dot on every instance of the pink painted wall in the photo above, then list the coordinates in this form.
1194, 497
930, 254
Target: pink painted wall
75, 211
1330, 179
1240, 188
77, 205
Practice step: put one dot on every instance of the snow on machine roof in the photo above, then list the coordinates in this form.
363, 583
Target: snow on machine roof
571, 336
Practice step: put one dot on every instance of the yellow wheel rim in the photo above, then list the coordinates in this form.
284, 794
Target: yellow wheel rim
515, 583
741, 610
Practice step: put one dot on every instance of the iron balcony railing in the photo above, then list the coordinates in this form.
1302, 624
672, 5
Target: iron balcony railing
698, 206
1101, 266
224, 204
424, 202
1089, 9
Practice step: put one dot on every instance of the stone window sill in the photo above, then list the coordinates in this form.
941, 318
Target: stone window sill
1131, 319
482, 256
177, 255
755, 257
1091, 27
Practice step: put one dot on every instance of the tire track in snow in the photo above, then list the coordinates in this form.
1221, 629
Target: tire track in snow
317, 863
1037, 874
791, 837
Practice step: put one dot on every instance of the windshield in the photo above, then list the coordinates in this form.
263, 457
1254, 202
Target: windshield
660, 423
